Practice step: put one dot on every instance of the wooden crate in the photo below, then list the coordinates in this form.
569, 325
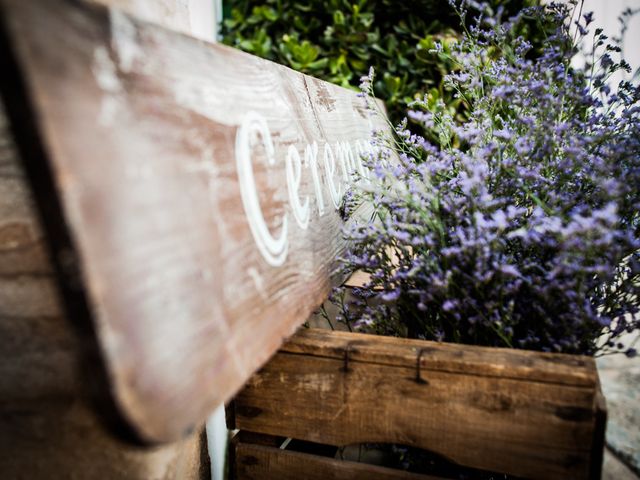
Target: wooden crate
526, 414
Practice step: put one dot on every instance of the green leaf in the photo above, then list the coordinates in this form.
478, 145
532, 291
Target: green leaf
318, 64
338, 40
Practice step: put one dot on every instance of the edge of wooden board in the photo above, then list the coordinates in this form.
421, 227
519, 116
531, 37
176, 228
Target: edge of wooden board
576, 370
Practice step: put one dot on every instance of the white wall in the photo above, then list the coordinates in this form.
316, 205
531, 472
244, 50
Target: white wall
205, 16
606, 13
194, 17
606, 16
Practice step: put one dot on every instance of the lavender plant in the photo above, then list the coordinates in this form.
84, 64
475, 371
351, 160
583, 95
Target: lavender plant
520, 227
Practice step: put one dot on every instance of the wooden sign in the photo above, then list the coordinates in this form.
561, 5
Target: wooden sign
190, 192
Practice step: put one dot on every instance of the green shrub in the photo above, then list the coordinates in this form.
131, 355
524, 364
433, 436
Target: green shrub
338, 40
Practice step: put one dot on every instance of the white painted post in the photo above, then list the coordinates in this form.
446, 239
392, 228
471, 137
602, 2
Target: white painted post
204, 16
217, 437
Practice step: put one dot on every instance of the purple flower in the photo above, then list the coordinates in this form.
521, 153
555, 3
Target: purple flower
500, 219
503, 134
588, 18
390, 296
509, 270
608, 214
448, 305
518, 226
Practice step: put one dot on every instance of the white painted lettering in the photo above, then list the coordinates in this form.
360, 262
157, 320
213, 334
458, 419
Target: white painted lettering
254, 131
273, 250
311, 159
294, 175
335, 191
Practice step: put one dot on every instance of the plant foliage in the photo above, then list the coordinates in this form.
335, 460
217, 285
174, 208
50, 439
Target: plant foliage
338, 40
518, 227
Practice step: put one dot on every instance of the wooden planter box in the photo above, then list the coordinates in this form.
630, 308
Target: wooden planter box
526, 414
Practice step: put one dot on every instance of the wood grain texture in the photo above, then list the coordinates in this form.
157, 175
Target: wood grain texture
46, 427
598, 445
38, 351
533, 419
258, 462
63, 439
137, 126
569, 370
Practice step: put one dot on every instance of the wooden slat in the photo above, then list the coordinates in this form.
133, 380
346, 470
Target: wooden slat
257, 462
38, 351
46, 427
128, 132
598, 444
509, 423
62, 439
447, 357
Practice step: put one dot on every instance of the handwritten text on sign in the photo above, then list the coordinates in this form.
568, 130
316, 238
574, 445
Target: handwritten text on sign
342, 160
184, 191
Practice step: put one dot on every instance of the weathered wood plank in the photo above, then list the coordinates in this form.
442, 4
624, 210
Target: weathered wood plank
46, 427
505, 420
38, 351
139, 143
267, 463
62, 439
598, 443
447, 357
